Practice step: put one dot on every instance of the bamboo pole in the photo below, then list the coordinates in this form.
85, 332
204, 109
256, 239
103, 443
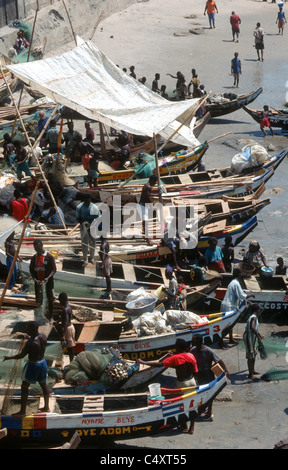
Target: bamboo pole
69, 19
28, 57
184, 122
96, 25
32, 149
19, 245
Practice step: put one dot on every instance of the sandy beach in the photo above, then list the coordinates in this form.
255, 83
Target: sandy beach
158, 36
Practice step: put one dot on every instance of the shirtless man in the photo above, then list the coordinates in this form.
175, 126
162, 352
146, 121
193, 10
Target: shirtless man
35, 369
10, 253
67, 329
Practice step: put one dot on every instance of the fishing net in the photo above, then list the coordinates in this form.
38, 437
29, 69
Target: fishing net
144, 165
11, 372
274, 350
23, 26
31, 126
106, 366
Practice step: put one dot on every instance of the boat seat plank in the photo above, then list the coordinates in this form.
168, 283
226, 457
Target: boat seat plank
88, 333
129, 273
215, 227
107, 316
252, 284
93, 403
52, 403
185, 179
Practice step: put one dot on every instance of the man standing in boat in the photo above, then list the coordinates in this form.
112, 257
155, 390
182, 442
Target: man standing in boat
145, 199
42, 270
233, 297
35, 369
86, 212
67, 328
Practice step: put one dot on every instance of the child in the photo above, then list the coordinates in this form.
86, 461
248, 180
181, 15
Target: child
182, 293
265, 121
281, 268
228, 252
93, 171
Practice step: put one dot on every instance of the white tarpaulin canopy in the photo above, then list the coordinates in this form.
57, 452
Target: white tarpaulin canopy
8, 231
85, 80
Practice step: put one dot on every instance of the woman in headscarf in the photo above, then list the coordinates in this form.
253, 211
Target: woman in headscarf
255, 256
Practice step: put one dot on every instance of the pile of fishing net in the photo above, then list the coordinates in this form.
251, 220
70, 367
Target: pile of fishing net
222, 98
105, 365
251, 156
144, 165
154, 323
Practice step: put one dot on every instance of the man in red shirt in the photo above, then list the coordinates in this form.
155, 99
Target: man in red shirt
19, 206
185, 366
235, 21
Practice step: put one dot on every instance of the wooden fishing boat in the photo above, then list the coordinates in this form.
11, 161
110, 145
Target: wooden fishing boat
227, 208
114, 375
131, 344
209, 184
4, 92
270, 292
228, 188
277, 117
221, 109
107, 416
35, 94
124, 276
151, 347
173, 164
219, 228
238, 233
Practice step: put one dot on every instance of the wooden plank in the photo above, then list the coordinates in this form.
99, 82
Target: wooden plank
107, 316
88, 332
52, 403
73, 443
215, 227
93, 403
252, 284
129, 273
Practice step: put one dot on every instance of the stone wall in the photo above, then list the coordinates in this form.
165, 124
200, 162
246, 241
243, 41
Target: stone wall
53, 24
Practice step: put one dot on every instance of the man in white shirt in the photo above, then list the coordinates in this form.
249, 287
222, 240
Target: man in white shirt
233, 297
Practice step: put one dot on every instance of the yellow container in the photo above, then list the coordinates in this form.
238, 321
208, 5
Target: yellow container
54, 253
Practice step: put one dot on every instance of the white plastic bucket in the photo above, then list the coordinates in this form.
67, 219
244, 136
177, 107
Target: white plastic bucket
154, 390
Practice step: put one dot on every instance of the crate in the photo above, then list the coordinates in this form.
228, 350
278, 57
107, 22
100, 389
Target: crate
217, 370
